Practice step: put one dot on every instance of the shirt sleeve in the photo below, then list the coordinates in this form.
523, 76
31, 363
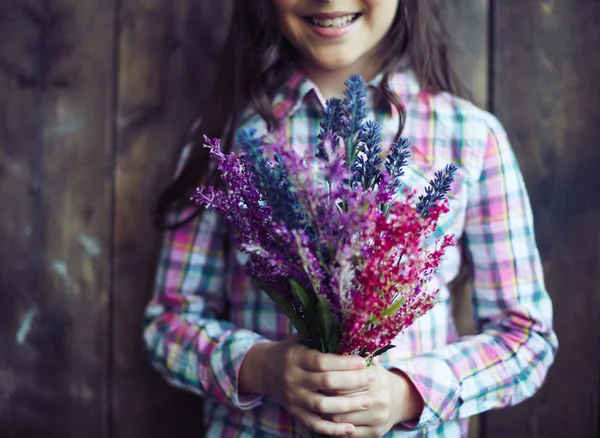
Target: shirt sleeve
186, 340
508, 361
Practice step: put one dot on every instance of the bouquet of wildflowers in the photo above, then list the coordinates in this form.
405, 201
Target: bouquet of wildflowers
336, 240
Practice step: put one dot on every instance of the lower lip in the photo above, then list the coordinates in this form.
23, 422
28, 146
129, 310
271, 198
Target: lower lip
332, 32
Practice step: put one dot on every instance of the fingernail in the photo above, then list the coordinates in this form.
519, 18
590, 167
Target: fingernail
350, 430
371, 376
366, 402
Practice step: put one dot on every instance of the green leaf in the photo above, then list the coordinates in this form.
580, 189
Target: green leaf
373, 319
326, 321
300, 294
383, 350
393, 309
296, 320
336, 338
310, 314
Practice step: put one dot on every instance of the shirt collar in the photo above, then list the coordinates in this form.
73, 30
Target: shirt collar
291, 96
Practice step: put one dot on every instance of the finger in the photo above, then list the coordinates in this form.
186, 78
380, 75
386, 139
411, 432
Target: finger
317, 424
313, 360
362, 418
358, 418
322, 404
343, 392
338, 381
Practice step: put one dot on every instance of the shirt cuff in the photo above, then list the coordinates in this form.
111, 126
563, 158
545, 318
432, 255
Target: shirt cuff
437, 384
225, 364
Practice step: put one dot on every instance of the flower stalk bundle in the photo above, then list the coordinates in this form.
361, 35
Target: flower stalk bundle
336, 240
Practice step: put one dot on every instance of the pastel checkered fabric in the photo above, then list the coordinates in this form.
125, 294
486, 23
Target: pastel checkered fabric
205, 315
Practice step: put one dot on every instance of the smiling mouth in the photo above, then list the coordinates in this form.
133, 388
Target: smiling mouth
333, 22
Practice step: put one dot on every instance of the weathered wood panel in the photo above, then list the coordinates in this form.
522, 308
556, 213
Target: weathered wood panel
167, 54
56, 82
546, 70
467, 22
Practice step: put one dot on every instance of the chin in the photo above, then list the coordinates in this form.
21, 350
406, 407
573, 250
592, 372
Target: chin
335, 62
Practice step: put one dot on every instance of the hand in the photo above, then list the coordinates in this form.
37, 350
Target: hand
395, 400
298, 378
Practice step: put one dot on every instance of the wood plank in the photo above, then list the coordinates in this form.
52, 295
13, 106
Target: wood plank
467, 22
167, 55
55, 187
546, 93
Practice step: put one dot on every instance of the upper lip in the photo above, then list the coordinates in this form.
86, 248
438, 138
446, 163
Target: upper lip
330, 15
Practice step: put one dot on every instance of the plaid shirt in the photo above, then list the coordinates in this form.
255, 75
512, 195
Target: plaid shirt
205, 315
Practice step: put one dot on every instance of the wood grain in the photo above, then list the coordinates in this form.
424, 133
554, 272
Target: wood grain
55, 187
546, 70
167, 55
467, 22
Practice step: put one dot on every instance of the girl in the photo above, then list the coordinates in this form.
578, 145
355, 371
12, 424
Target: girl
210, 332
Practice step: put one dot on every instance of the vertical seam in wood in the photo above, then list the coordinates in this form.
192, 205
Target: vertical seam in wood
109, 428
596, 420
491, 54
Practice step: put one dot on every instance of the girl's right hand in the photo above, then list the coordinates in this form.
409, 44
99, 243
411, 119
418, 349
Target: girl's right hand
298, 378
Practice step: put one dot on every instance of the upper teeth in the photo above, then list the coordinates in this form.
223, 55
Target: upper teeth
335, 22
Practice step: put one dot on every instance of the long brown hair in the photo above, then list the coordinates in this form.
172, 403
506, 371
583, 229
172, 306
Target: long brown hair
257, 60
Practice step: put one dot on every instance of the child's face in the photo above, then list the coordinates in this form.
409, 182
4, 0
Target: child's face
336, 34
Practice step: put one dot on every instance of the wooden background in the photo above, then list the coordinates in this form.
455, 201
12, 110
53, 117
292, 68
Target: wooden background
95, 96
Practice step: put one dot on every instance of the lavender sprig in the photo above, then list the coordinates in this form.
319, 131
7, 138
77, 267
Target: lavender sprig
437, 189
396, 160
355, 114
273, 180
245, 208
330, 126
366, 166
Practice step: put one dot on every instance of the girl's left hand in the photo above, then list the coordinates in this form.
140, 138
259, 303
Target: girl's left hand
395, 400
